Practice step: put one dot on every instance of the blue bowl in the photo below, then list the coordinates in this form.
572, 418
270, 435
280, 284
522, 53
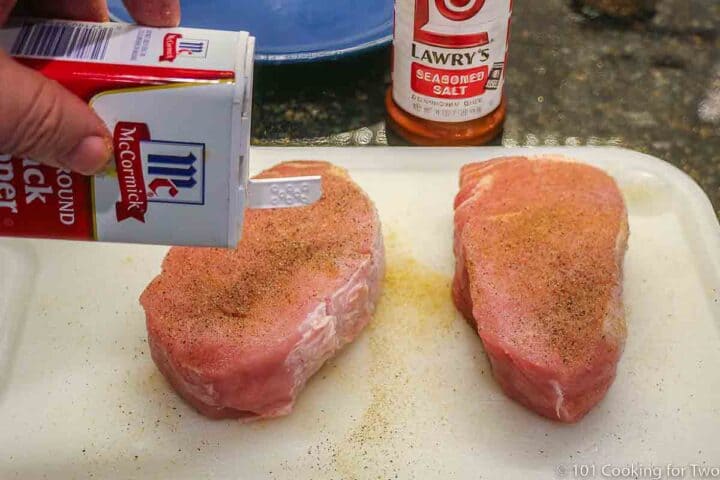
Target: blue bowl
290, 31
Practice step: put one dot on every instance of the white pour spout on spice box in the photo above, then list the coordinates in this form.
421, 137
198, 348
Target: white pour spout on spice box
178, 103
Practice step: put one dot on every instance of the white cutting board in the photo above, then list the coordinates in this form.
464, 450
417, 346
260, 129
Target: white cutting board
412, 398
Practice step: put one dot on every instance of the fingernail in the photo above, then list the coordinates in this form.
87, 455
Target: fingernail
90, 156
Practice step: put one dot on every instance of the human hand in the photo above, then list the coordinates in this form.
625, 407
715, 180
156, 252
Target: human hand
43, 121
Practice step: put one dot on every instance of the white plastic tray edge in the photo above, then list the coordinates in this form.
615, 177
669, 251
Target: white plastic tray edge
17, 276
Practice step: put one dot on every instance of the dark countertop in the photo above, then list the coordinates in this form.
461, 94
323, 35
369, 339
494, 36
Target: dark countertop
652, 85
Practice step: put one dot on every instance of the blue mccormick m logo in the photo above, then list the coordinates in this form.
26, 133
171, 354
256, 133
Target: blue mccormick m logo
174, 172
195, 48
175, 45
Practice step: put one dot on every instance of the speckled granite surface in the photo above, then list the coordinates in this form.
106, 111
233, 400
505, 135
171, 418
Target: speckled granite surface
652, 86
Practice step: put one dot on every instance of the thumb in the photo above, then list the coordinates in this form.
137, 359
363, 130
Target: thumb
43, 121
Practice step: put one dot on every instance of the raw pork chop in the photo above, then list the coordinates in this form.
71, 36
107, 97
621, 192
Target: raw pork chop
239, 332
539, 245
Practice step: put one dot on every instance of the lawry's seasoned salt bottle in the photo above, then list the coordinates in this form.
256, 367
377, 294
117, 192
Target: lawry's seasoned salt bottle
449, 60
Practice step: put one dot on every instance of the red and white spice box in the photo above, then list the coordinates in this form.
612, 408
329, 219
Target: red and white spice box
177, 102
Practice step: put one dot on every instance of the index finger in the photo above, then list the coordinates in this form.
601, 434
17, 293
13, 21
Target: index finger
155, 13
